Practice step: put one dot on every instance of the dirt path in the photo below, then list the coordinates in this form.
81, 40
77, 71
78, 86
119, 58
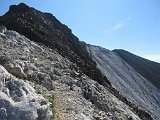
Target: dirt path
59, 106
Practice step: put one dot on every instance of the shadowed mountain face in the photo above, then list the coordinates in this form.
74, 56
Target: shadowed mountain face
46, 29
148, 69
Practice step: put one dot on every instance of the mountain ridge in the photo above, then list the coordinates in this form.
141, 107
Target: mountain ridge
127, 80
27, 66
45, 29
148, 69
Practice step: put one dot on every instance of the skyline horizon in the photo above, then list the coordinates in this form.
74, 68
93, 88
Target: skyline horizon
112, 31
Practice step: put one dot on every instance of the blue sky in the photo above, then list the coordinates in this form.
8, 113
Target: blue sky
133, 25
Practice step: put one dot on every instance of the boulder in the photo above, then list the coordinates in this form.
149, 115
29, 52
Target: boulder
2, 29
22, 102
15, 70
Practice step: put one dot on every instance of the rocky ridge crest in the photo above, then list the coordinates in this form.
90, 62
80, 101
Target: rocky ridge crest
58, 64
46, 29
127, 80
47, 73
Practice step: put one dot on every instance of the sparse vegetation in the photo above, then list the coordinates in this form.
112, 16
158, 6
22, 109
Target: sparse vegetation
40, 90
52, 101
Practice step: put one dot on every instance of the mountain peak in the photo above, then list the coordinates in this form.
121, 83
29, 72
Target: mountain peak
20, 7
46, 29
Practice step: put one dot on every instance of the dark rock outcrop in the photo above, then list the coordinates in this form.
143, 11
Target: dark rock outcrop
46, 29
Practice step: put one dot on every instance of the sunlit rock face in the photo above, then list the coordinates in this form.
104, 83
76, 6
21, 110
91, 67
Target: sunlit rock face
18, 99
80, 97
127, 80
146, 68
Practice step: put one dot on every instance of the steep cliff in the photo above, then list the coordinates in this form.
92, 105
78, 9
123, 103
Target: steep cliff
148, 69
127, 80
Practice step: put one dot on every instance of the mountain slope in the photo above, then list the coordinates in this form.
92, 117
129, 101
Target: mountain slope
37, 82
45, 28
60, 65
148, 69
127, 80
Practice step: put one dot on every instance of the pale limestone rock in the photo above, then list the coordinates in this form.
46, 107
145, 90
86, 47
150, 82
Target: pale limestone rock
15, 70
20, 102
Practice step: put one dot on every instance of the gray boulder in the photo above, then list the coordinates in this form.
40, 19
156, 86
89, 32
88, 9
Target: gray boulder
22, 102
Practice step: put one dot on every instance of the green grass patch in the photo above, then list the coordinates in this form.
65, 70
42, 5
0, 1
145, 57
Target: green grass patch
52, 100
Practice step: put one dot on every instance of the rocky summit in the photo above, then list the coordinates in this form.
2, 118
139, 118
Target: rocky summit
46, 29
47, 73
